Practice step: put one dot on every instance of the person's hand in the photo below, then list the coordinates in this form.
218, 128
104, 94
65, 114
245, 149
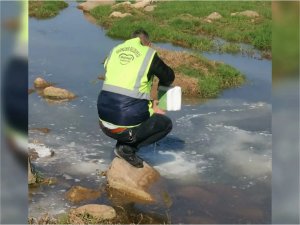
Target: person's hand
156, 109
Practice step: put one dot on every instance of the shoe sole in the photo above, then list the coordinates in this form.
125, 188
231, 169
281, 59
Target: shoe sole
116, 153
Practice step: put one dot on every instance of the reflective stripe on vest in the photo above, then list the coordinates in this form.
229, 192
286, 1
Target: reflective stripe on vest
134, 90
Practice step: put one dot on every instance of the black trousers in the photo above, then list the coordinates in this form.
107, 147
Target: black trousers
148, 132
14, 102
14, 94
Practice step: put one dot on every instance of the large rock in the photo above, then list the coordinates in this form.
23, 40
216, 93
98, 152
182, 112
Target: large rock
57, 93
149, 8
99, 212
141, 4
41, 83
117, 14
90, 4
248, 13
78, 194
122, 4
213, 16
132, 181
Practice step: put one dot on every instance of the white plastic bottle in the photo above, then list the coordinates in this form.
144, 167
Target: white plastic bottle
169, 98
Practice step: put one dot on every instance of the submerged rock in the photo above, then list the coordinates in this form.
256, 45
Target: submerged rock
195, 193
248, 13
99, 212
132, 181
117, 14
79, 193
43, 130
57, 93
41, 83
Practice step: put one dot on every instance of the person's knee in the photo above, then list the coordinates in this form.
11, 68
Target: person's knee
168, 124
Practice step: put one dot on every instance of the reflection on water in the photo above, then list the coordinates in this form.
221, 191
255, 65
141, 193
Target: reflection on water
216, 162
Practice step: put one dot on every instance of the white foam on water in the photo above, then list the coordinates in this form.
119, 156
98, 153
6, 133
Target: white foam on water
178, 167
41, 149
84, 168
233, 144
186, 121
258, 105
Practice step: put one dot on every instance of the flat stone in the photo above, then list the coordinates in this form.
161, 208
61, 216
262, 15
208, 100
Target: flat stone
149, 8
57, 93
117, 14
79, 193
141, 4
90, 4
100, 212
122, 4
213, 16
132, 181
44, 130
247, 13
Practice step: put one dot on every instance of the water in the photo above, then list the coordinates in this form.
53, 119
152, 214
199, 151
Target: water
216, 162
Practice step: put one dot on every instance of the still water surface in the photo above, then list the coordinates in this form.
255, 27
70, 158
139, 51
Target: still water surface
216, 162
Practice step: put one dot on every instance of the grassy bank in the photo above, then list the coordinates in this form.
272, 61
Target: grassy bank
45, 9
198, 76
183, 23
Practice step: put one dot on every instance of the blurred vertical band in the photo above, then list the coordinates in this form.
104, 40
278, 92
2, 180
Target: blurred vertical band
285, 113
14, 112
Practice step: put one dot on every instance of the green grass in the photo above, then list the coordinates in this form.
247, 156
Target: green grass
214, 79
63, 219
181, 23
45, 9
120, 1
231, 48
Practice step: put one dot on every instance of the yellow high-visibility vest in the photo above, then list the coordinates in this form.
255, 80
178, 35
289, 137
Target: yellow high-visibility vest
126, 69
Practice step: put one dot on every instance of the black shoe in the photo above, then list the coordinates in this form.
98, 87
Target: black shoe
131, 158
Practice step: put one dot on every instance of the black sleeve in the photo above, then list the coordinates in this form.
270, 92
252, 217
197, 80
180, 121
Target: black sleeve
164, 73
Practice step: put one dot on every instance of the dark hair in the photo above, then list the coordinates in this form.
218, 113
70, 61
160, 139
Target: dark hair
140, 32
